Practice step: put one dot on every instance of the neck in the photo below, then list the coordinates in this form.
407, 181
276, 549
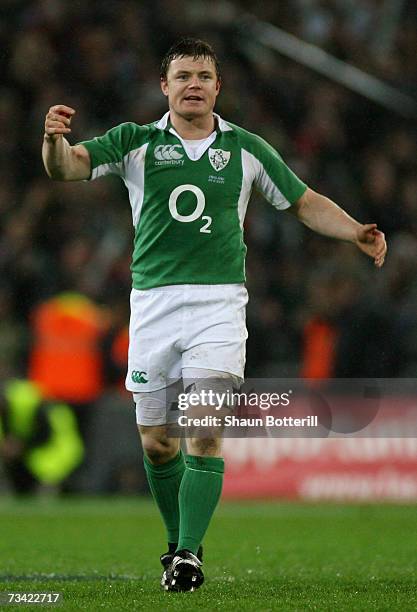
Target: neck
196, 128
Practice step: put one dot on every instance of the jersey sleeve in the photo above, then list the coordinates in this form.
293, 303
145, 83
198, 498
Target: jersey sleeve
274, 179
107, 152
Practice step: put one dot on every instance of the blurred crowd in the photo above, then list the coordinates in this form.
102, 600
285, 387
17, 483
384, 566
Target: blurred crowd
317, 307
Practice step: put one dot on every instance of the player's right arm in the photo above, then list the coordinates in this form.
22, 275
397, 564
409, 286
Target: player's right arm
62, 161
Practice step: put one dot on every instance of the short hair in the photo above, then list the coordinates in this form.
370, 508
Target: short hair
189, 47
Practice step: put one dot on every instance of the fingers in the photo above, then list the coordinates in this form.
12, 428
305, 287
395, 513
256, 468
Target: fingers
58, 119
56, 127
61, 108
381, 250
379, 260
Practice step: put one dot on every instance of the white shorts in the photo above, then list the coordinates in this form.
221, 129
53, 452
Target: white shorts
185, 326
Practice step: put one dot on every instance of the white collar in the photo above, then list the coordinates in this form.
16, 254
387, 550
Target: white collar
223, 126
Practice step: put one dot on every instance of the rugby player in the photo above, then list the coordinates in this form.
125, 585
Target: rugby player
189, 176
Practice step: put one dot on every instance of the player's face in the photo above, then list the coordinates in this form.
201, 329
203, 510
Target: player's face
191, 86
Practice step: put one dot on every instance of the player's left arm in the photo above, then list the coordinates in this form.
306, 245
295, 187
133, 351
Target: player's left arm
322, 215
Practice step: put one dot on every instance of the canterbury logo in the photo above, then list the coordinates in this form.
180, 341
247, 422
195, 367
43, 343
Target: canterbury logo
139, 377
168, 152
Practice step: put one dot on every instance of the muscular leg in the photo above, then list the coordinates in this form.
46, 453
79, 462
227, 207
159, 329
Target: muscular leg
157, 446
186, 492
210, 446
202, 482
164, 467
162, 457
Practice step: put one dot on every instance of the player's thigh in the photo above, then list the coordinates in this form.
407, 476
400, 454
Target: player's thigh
216, 331
155, 411
159, 407
216, 390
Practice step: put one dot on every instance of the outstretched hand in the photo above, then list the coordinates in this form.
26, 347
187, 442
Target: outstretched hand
372, 242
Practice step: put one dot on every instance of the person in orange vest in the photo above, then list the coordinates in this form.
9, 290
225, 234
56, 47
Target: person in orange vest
66, 359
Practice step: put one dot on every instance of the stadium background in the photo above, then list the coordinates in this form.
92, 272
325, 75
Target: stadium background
318, 308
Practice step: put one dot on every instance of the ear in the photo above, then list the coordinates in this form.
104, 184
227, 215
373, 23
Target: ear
164, 87
218, 86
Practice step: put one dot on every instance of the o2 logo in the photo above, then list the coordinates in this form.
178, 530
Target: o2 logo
197, 212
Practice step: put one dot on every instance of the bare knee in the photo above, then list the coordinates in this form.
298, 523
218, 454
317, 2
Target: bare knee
205, 447
156, 445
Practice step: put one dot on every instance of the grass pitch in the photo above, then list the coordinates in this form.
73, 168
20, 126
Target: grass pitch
103, 554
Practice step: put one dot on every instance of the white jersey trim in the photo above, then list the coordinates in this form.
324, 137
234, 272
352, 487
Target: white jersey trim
249, 171
104, 169
263, 181
134, 179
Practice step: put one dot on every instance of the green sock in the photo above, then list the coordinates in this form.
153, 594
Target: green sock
200, 491
164, 482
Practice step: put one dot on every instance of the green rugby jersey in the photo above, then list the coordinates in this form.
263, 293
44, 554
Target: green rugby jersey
188, 213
